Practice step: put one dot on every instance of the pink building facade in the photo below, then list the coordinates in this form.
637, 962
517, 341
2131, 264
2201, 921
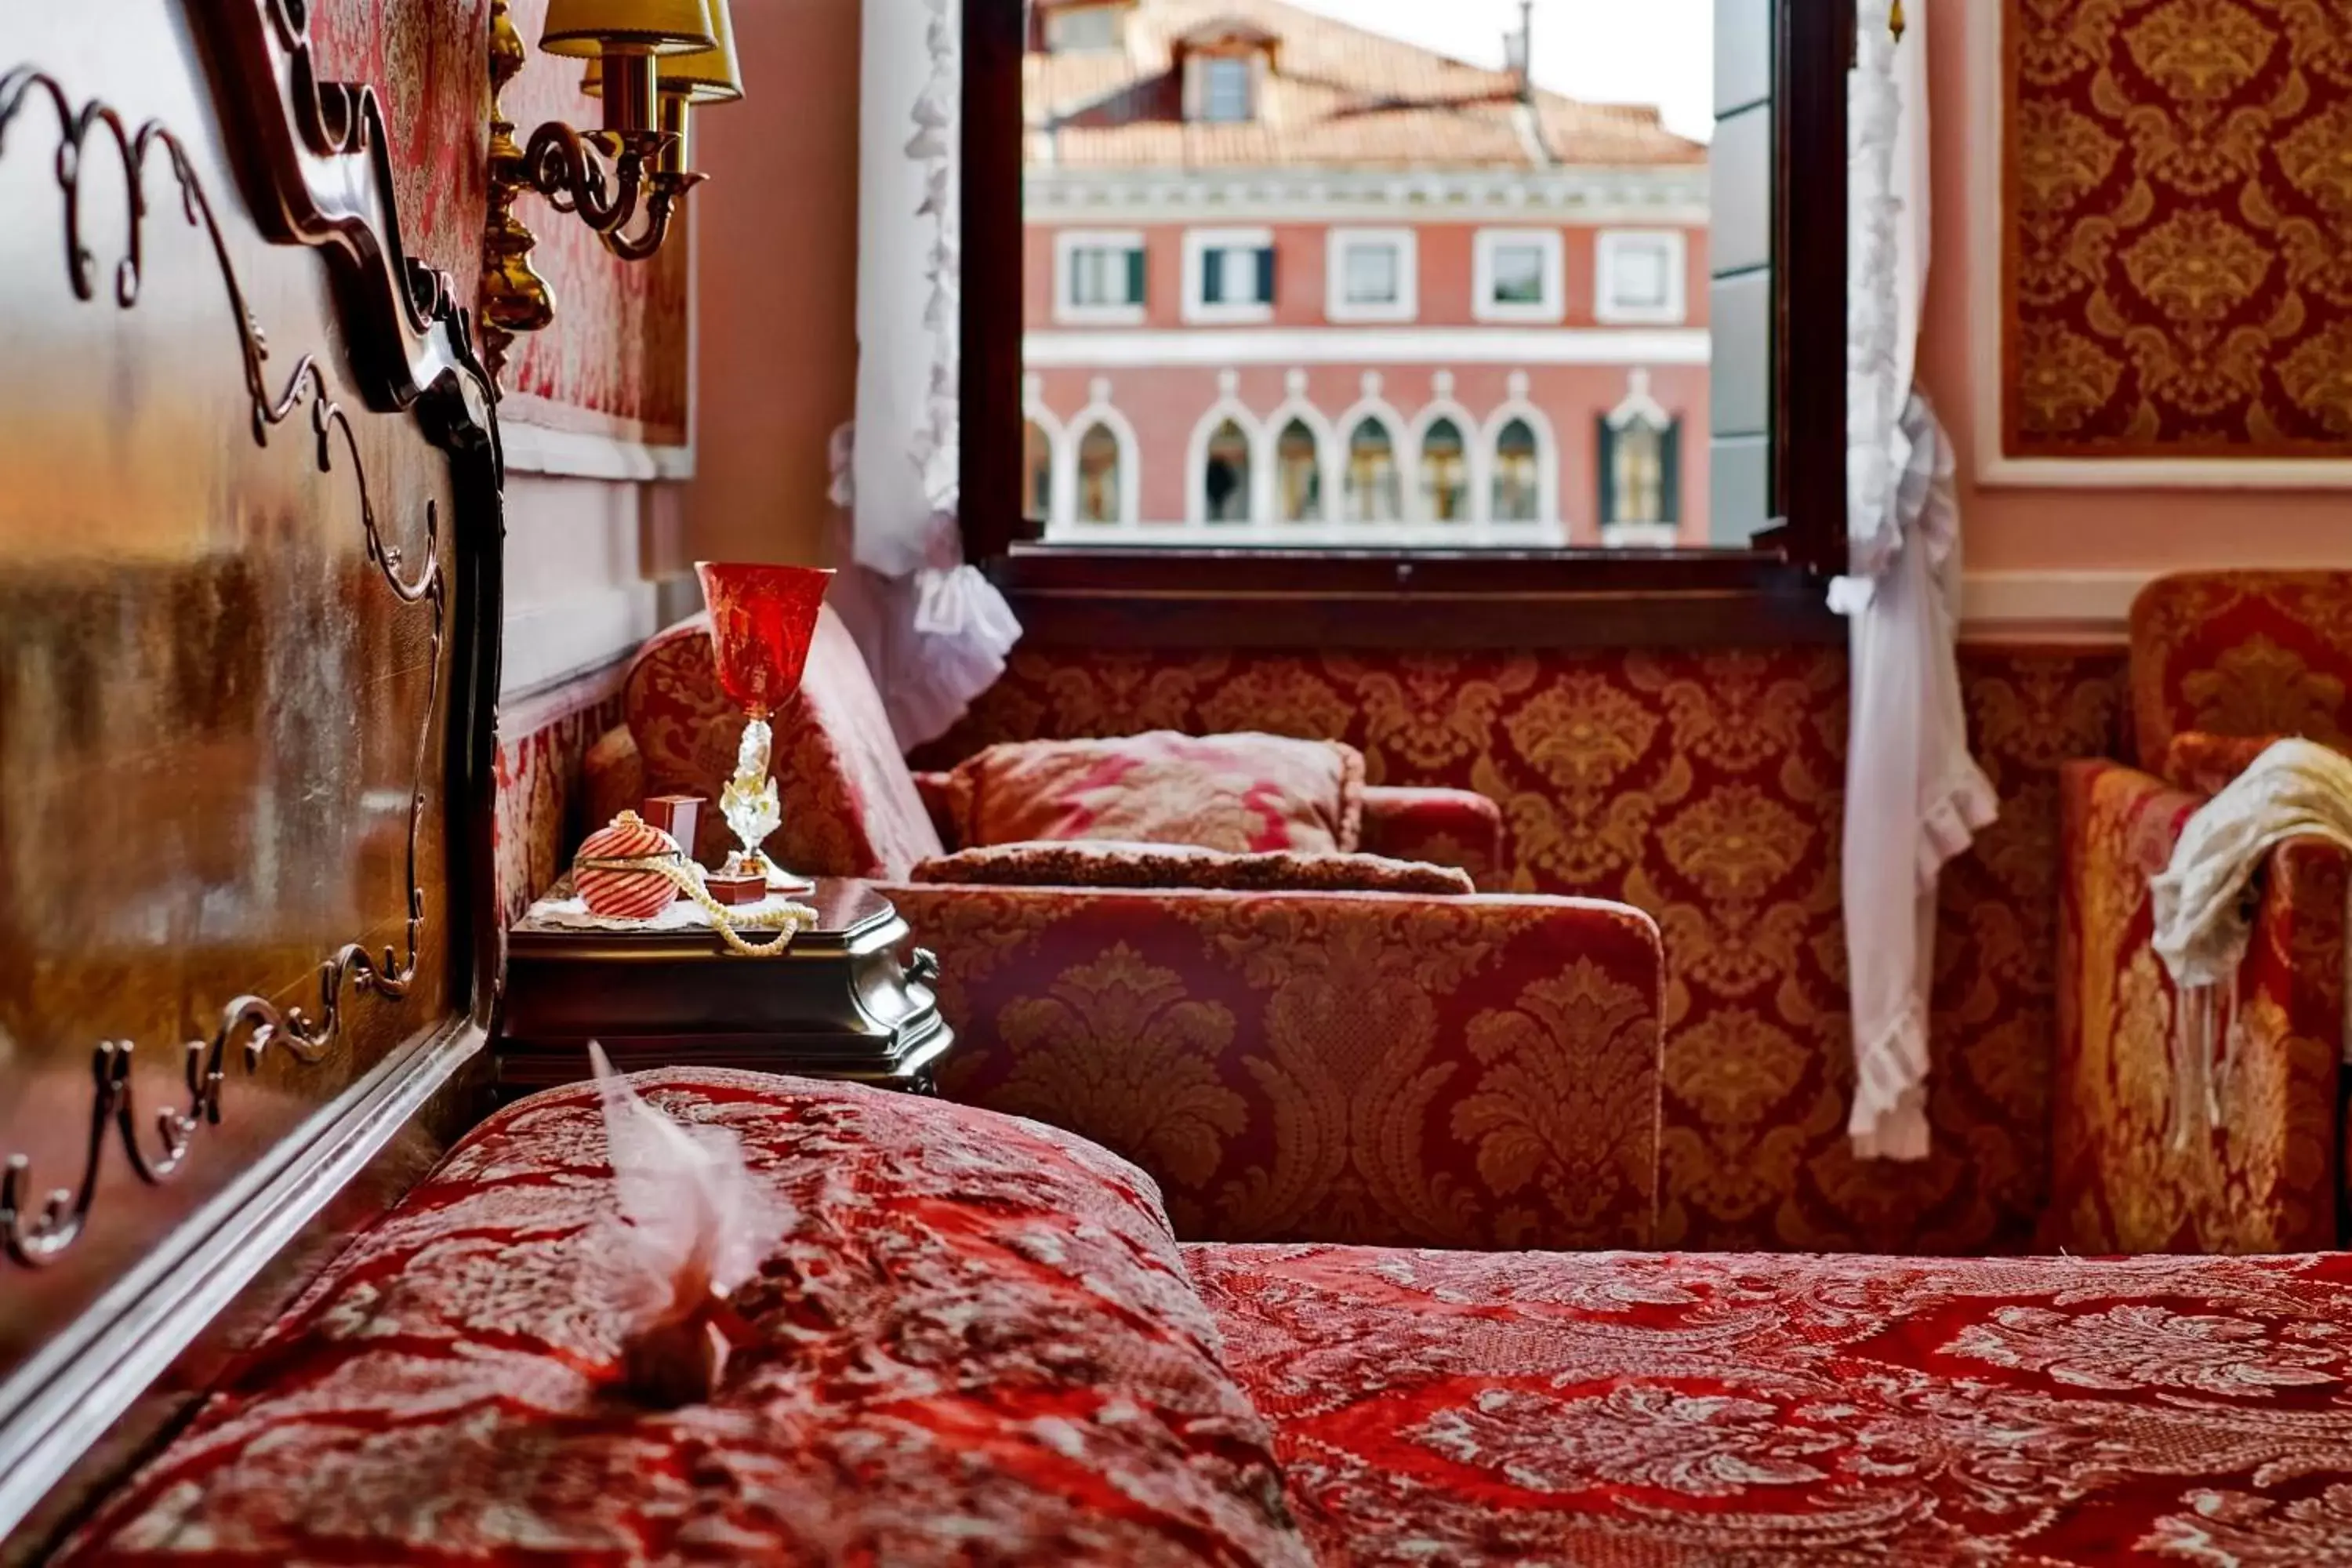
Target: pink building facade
1276, 348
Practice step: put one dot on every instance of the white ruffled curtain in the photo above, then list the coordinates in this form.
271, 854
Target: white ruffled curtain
934, 630
1915, 797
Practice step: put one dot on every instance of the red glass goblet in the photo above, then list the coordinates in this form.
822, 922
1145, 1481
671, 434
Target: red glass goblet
762, 619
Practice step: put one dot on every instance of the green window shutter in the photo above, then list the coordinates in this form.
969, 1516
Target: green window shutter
1605, 471
1135, 276
1212, 277
1670, 473
1265, 276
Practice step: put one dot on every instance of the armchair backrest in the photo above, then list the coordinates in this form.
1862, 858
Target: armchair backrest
850, 808
2242, 653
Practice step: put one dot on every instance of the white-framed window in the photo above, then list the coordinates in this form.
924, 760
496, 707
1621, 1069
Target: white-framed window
1371, 274
1228, 89
1519, 276
1228, 275
1083, 30
1638, 277
1099, 277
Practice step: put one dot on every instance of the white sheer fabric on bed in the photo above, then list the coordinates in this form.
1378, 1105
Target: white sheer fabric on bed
1915, 797
934, 629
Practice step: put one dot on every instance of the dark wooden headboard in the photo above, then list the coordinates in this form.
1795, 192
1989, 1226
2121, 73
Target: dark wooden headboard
249, 550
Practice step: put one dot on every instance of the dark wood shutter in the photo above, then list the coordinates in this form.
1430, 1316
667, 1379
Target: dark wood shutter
1604, 471
1670, 473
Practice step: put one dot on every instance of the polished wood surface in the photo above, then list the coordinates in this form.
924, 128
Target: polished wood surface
249, 588
836, 1003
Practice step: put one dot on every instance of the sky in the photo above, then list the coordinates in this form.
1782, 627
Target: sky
1604, 51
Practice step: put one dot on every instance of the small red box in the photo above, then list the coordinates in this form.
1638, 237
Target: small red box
680, 815
733, 890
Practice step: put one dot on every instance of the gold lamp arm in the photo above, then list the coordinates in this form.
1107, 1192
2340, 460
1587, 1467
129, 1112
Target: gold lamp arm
608, 178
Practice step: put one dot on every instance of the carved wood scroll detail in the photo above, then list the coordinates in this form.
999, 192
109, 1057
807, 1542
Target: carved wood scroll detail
331, 190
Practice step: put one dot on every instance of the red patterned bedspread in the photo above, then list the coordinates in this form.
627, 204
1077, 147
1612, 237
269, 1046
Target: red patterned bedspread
1618, 1408
976, 1345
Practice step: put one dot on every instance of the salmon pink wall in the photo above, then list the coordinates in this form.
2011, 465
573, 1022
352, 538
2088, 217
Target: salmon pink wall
2050, 531
776, 264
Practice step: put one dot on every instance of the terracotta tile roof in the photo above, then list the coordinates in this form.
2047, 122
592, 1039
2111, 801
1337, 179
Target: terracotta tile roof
1341, 97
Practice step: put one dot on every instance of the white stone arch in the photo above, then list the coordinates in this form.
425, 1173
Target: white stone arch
1443, 405
1373, 406
1328, 459
1228, 405
1057, 442
1517, 407
1101, 410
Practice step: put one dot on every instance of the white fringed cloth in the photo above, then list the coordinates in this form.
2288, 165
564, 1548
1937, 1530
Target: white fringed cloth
934, 630
2205, 912
1914, 798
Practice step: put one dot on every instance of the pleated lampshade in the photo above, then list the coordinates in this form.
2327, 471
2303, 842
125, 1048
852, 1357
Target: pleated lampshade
588, 28
711, 75
706, 76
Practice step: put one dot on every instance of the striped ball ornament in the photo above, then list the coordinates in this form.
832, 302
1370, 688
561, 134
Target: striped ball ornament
626, 895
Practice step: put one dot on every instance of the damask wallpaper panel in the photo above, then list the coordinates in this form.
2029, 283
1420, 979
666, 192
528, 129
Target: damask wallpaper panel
428, 64
615, 362
1707, 789
2177, 216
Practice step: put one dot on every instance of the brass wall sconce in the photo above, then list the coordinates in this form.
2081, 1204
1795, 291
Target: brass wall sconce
650, 61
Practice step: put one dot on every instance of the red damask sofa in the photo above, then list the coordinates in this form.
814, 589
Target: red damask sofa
982, 1342
1460, 1072
2220, 654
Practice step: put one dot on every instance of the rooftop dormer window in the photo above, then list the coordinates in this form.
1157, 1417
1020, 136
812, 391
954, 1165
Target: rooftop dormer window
1225, 90
1224, 65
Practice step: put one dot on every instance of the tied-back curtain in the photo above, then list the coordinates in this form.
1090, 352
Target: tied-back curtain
933, 628
1915, 797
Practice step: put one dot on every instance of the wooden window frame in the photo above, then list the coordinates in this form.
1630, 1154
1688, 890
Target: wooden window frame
1172, 597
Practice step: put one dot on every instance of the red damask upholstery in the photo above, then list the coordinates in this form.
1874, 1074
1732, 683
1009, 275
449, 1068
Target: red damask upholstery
1443, 826
1626, 1411
978, 1343
1088, 863
1352, 1067
2242, 653
851, 807
2266, 1177
2220, 662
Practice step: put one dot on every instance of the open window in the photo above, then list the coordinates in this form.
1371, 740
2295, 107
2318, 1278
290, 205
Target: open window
1550, 389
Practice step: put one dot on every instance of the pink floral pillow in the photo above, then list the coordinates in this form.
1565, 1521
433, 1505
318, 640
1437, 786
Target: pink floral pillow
1092, 864
1242, 794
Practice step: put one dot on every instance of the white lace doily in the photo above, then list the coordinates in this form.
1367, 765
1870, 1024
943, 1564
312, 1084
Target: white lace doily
573, 914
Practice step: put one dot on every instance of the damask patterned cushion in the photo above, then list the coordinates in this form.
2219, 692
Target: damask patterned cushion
1622, 1409
2242, 653
1100, 864
977, 1344
1242, 794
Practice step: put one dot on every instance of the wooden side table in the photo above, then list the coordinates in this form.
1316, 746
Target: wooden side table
838, 1004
